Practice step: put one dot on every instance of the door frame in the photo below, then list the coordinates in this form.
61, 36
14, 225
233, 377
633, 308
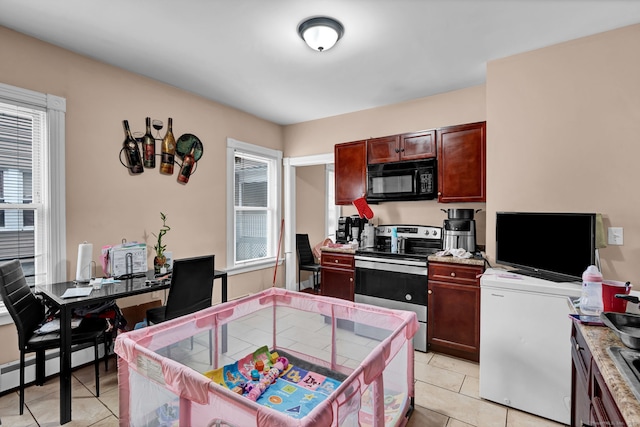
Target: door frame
290, 164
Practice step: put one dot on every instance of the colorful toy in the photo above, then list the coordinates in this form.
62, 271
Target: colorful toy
269, 378
255, 375
259, 365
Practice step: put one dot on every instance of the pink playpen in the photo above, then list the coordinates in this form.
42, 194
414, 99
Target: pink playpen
337, 363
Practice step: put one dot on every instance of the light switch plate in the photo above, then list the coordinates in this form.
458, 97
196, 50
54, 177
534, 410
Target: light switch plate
615, 236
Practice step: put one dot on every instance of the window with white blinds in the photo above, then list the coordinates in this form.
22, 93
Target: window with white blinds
254, 181
32, 211
21, 141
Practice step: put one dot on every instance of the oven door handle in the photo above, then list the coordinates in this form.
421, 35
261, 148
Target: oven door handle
398, 268
411, 262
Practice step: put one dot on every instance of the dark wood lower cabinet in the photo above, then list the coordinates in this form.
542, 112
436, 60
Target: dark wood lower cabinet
453, 310
338, 275
592, 404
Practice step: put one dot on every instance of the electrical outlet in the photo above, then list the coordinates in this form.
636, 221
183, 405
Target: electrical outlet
615, 236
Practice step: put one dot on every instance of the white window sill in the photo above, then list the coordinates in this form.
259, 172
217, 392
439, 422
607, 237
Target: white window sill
258, 265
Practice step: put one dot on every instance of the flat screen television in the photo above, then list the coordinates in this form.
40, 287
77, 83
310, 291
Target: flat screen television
551, 246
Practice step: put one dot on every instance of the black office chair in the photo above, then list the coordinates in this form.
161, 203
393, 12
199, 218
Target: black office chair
306, 260
190, 291
28, 312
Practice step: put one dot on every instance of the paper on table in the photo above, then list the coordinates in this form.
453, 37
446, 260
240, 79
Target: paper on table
77, 292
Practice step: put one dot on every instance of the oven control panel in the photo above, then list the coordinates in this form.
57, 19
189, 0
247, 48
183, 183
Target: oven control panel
410, 231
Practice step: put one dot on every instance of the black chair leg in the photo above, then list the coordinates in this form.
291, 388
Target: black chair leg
21, 382
96, 364
40, 367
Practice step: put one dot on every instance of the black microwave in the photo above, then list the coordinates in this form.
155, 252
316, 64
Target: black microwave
415, 180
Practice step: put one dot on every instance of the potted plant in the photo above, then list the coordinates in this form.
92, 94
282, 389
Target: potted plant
160, 259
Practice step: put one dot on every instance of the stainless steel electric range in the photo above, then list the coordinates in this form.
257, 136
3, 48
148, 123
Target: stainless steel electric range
397, 279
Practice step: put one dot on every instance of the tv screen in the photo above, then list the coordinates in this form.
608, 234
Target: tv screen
552, 246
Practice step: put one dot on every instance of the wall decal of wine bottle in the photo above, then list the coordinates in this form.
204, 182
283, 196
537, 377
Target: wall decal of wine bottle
188, 148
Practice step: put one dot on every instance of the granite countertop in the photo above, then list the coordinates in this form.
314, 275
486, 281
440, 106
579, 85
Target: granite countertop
343, 249
455, 260
599, 338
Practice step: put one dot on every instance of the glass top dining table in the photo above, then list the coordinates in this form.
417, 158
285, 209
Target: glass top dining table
53, 293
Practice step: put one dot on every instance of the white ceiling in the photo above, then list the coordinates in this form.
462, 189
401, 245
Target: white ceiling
247, 53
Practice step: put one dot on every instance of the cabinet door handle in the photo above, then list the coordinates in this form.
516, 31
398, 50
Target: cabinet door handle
351, 279
402, 149
453, 274
336, 261
396, 150
429, 291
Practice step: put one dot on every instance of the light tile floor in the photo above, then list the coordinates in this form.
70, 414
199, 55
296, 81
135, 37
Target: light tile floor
446, 388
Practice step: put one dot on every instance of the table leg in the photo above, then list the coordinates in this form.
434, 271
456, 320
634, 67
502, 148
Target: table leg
65, 365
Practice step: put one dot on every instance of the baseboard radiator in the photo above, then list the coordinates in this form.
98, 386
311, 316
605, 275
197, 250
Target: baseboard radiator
10, 372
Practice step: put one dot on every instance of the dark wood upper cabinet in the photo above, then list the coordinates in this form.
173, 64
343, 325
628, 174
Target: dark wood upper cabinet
462, 163
418, 145
383, 150
350, 171
408, 146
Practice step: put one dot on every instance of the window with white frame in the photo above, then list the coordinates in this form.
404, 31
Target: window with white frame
253, 204
32, 214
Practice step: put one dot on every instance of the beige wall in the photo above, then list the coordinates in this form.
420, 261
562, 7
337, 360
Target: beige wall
104, 204
563, 126
310, 202
319, 136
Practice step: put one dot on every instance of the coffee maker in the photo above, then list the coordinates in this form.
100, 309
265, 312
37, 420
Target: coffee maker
459, 229
357, 226
350, 228
343, 233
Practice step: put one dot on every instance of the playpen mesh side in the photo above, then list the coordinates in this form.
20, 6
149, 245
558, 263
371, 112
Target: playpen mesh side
171, 389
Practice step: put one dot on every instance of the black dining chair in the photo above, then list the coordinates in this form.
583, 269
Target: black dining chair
306, 260
190, 291
28, 313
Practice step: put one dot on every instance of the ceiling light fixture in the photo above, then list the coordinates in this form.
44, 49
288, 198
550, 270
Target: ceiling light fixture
321, 33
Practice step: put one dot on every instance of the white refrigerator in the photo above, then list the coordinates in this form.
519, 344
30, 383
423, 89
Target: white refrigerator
525, 350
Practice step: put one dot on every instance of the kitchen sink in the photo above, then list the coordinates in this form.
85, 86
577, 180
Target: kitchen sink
628, 363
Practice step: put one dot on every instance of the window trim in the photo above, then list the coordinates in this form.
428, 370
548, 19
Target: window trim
234, 145
53, 164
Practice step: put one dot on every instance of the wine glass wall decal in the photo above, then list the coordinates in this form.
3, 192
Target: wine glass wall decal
157, 125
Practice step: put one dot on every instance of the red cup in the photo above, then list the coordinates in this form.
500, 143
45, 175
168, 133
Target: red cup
609, 301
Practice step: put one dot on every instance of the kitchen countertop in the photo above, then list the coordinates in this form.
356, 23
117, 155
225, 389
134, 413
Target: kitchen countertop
599, 338
344, 249
455, 260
